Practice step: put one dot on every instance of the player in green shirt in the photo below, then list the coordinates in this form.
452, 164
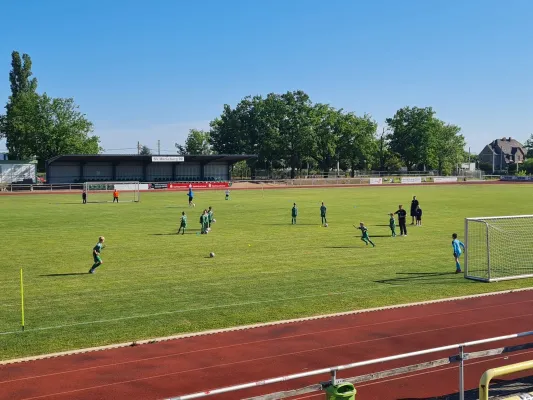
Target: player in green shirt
294, 214
364, 237
323, 213
96, 254
204, 221
210, 217
183, 223
392, 224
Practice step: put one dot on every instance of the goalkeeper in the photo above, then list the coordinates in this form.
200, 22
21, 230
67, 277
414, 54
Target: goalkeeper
457, 245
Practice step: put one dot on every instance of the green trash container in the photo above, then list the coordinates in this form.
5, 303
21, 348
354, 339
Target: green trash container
342, 391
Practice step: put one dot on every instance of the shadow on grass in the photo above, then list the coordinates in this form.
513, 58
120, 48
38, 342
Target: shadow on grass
68, 274
66, 202
171, 234
292, 224
419, 277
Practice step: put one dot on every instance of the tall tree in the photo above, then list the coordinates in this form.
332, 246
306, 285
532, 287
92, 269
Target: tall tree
358, 145
326, 133
411, 136
296, 131
197, 142
23, 92
145, 151
447, 146
529, 147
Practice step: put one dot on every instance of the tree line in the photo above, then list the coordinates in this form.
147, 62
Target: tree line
289, 131
39, 126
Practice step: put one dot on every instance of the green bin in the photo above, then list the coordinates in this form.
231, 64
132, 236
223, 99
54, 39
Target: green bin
342, 391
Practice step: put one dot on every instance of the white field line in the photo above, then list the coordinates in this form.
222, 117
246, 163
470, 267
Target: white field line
255, 326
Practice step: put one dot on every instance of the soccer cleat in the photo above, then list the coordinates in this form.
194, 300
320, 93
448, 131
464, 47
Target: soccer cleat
91, 271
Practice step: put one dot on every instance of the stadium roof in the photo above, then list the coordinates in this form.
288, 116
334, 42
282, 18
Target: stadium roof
134, 157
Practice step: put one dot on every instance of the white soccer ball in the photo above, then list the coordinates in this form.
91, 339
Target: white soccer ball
326, 225
214, 220
211, 255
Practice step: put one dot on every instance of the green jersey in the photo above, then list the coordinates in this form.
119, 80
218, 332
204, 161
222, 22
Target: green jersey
183, 220
323, 211
294, 211
210, 216
98, 248
364, 231
392, 222
205, 219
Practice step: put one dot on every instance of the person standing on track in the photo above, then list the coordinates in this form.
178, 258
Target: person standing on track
402, 216
414, 206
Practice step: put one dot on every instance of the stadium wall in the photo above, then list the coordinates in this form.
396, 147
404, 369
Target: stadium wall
78, 168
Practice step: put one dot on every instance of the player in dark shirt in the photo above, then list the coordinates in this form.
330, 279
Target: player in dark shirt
414, 205
418, 216
402, 215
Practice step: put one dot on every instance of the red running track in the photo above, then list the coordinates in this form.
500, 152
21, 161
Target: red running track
181, 366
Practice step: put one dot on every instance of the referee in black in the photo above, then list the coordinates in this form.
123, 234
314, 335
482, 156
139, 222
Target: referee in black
402, 216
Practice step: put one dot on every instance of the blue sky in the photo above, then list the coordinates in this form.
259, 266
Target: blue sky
144, 71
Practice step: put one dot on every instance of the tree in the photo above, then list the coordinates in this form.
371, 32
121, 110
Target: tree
447, 146
411, 137
529, 147
326, 133
145, 151
358, 145
197, 142
40, 126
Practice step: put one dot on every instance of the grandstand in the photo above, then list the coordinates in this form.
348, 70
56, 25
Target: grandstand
80, 168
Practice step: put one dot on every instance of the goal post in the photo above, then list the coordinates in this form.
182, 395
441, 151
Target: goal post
102, 192
499, 248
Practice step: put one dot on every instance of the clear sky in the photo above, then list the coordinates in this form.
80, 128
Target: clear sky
149, 70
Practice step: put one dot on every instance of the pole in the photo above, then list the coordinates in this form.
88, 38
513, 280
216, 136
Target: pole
461, 373
159, 147
138, 148
22, 298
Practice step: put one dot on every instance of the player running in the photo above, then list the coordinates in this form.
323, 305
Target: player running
364, 237
457, 244
97, 250
323, 210
191, 198
183, 223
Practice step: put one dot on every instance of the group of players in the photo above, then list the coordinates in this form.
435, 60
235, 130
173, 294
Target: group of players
207, 218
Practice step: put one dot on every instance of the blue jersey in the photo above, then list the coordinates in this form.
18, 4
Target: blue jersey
457, 244
190, 193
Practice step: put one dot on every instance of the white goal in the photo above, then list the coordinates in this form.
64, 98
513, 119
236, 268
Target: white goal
102, 192
499, 248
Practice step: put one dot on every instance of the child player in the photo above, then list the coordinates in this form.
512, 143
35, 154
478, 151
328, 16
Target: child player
191, 197
364, 236
209, 217
294, 214
183, 223
96, 254
457, 244
204, 221
323, 214
227, 194
392, 224
418, 213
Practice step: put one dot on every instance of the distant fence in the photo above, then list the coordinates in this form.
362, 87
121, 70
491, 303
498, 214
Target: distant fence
264, 183
456, 358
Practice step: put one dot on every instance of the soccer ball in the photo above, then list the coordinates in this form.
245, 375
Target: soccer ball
211, 255
214, 220
325, 225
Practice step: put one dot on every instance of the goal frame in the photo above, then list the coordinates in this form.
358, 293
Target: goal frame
489, 278
136, 190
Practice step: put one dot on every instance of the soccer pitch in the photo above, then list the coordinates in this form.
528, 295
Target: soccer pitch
156, 283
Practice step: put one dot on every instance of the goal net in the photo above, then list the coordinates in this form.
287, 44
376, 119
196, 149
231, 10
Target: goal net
102, 192
499, 248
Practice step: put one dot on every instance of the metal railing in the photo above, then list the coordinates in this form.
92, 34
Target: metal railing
490, 374
460, 358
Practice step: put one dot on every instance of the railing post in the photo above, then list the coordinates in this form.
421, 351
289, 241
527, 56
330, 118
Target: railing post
461, 373
334, 377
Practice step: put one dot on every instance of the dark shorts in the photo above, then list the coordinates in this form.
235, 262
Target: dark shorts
190, 198
419, 218
413, 213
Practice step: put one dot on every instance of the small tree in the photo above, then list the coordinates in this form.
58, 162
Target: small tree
145, 151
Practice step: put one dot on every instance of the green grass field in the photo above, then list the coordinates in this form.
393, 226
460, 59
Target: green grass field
155, 283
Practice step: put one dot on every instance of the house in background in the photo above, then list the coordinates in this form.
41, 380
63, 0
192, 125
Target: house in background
502, 153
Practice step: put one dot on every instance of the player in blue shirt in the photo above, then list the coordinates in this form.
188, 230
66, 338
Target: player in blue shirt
191, 197
457, 244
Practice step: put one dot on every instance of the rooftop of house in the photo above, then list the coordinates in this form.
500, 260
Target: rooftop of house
507, 145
